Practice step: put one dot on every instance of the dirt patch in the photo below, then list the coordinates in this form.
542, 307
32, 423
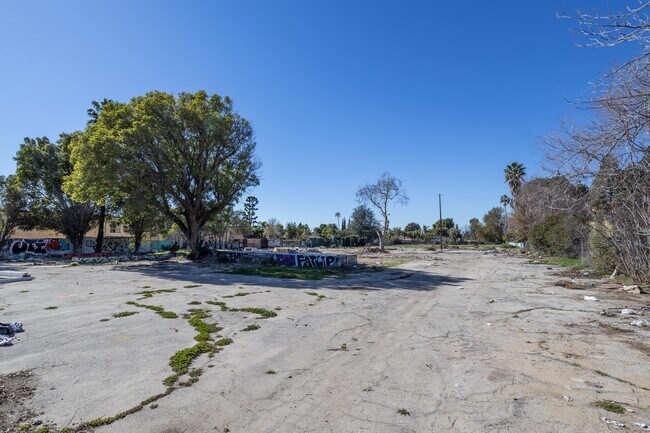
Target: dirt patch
574, 273
641, 347
15, 390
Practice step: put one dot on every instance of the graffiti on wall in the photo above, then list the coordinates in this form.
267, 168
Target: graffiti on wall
110, 245
300, 260
316, 261
23, 247
285, 260
20, 248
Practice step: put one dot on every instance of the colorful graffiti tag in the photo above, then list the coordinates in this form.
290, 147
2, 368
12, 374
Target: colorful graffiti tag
25, 247
299, 260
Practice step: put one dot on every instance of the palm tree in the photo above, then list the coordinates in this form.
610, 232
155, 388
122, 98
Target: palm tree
505, 201
338, 219
515, 173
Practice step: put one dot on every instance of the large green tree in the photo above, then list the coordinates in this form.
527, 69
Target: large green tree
192, 154
41, 167
363, 224
13, 206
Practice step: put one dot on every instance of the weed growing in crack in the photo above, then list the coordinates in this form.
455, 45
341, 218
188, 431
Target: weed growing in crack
124, 314
264, 313
158, 310
223, 305
610, 406
237, 294
51, 307
150, 293
403, 412
191, 286
180, 361
270, 372
251, 327
204, 329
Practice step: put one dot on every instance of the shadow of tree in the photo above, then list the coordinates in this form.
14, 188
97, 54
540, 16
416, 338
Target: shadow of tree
392, 278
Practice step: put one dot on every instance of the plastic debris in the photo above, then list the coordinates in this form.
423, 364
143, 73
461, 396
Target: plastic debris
590, 298
613, 422
641, 323
631, 289
628, 312
642, 426
6, 341
567, 398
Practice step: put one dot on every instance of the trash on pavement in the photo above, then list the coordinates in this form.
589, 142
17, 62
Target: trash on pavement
628, 312
631, 289
590, 298
642, 426
613, 423
641, 323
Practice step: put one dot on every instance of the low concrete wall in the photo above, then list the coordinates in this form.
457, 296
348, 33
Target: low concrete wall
290, 259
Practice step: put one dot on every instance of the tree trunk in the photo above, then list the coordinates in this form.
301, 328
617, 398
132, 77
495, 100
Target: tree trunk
99, 242
381, 240
76, 241
193, 236
137, 240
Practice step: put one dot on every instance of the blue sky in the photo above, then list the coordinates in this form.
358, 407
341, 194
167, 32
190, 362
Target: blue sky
443, 95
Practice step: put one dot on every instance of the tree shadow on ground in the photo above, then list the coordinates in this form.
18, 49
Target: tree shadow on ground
391, 278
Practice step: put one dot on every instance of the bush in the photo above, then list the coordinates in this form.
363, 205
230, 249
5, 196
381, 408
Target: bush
603, 253
552, 237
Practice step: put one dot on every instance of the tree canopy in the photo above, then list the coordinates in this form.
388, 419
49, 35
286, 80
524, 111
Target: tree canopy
195, 152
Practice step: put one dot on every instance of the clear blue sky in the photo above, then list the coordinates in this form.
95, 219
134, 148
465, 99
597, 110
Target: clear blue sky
443, 95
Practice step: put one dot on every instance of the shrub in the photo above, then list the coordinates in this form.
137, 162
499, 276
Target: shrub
603, 253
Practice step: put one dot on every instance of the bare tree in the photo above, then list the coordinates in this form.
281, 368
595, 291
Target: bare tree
609, 152
385, 190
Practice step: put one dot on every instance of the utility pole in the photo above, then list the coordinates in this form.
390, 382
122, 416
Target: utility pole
440, 207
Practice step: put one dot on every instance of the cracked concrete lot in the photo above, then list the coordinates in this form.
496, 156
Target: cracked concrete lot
471, 342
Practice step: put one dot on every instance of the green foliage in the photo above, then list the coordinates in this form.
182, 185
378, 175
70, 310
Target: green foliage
224, 342
603, 253
250, 210
196, 153
363, 224
181, 360
150, 293
204, 329
492, 230
158, 310
41, 167
124, 314
13, 208
251, 327
297, 231
552, 236
610, 406
264, 313
514, 175
447, 225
